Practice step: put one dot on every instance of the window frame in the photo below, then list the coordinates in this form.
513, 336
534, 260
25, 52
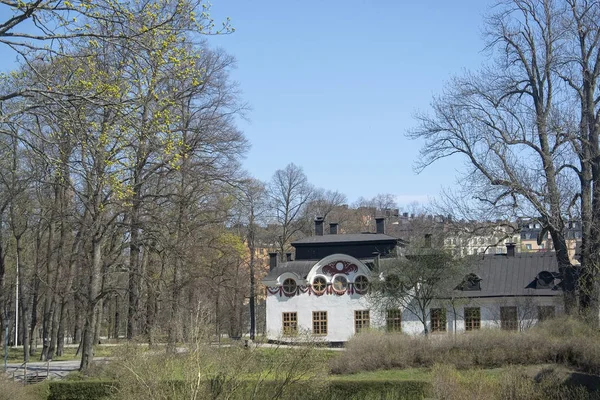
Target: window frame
320, 324
543, 314
364, 280
283, 286
289, 323
472, 322
339, 278
362, 320
393, 320
438, 323
509, 324
319, 292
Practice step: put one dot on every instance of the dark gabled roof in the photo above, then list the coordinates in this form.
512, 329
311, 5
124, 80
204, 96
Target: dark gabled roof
300, 268
346, 238
504, 276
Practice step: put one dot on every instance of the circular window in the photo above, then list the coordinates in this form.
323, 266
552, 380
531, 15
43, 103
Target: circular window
289, 286
361, 283
319, 285
340, 283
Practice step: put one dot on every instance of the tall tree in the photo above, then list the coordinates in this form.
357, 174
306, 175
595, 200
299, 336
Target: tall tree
508, 121
289, 192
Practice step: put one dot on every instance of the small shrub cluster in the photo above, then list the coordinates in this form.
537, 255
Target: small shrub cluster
514, 384
10, 390
566, 341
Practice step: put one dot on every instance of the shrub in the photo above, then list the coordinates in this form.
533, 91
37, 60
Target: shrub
565, 341
513, 384
80, 390
10, 390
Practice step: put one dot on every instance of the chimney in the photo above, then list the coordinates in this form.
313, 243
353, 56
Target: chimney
272, 261
380, 225
333, 228
510, 249
319, 226
428, 240
288, 256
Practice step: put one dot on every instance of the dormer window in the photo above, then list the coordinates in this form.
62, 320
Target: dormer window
544, 280
470, 282
289, 286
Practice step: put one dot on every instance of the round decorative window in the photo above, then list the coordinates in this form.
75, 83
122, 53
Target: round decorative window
340, 283
289, 286
361, 283
319, 285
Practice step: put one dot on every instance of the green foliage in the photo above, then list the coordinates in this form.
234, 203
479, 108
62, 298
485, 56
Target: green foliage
80, 390
377, 389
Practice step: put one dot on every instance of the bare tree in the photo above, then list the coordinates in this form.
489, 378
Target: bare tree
289, 192
507, 121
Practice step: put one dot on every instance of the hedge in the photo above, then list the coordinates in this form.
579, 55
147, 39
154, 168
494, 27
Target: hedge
80, 390
347, 390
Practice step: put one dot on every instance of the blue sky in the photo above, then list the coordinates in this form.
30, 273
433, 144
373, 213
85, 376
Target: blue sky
333, 86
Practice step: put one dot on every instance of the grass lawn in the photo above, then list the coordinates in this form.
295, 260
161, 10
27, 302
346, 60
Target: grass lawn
15, 355
410, 374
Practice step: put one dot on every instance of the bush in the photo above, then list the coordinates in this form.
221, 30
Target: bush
513, 384
80, 390
565, 341
10, 390
377, 390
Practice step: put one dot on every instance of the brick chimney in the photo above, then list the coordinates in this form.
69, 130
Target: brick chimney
333, 228
380, 225
510, 249
319, 226
272, 261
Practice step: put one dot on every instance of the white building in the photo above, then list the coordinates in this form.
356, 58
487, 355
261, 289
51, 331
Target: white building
324, 292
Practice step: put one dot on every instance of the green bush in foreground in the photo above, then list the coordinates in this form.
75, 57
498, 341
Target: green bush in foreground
408, 390
80, 390
566, 341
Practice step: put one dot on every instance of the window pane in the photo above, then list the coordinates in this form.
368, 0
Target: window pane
472, 318
438, 320
361, 320
508, 318
290, 323
319, 322
546, 312
394, 320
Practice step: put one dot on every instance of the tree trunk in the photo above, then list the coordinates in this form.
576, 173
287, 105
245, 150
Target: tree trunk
87, 348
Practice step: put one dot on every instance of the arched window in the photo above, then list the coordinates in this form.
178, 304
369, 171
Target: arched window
319, 285
289, 286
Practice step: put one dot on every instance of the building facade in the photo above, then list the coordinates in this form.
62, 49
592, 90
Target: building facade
324, 292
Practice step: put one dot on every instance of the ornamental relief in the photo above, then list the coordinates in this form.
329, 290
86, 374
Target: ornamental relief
340, 267
338, 287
